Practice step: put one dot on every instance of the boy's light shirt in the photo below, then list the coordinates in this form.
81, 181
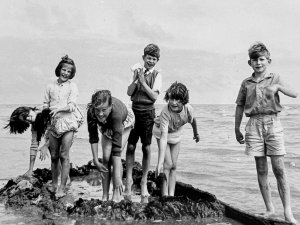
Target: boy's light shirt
158, 80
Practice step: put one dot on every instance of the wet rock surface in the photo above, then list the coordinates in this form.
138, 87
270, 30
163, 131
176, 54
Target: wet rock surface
32, 193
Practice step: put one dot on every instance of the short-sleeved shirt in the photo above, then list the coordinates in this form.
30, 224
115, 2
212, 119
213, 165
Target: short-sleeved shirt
61, 95
114, 122
158, 80
171, 121
255, 100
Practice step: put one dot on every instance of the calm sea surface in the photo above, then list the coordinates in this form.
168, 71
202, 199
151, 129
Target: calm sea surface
216, 164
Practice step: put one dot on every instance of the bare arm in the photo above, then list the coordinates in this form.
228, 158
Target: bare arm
162, 145
99, 165
238, 119
195, 130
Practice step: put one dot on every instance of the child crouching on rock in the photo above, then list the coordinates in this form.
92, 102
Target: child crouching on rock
168, 132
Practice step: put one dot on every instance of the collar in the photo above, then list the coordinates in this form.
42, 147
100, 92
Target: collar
149, 71
61, 84
268, 75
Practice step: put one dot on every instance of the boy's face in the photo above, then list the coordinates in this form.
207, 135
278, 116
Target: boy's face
260, 64
149, 61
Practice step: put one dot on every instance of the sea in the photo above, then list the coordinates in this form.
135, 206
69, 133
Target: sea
216, 164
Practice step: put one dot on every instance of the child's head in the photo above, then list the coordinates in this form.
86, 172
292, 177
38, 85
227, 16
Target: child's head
23, 116
19, 120
177, 95
151, 55
65, 61
258, 49
100, 105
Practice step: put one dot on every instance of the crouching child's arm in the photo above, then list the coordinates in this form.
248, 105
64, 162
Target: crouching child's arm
162, 145
195, 130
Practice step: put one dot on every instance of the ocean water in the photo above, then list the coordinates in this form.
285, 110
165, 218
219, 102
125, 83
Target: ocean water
216, 164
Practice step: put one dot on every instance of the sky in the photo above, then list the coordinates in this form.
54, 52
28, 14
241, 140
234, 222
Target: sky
203, 44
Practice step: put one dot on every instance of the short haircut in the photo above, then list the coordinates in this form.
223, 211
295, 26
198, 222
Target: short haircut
65, 60
17, 123
177, 91
153, 50
258, 49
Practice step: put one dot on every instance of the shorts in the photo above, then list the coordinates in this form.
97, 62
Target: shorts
128, 123
143, 126
173, 138
264, 136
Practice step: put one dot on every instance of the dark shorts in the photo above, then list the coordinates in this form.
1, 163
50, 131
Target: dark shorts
143, 126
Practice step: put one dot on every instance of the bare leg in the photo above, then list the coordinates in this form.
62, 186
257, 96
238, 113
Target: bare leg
106, 151
66, 143
130, 157
283, 187
174, 151
117, 180
265, 189
167, 169
145, 167
54, 146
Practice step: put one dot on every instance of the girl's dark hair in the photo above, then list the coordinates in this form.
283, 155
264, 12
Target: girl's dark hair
177, 91
41, 122
65, 60
98, 98
17, 123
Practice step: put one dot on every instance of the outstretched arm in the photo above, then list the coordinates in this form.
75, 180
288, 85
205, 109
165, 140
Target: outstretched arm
238, 119
283, 88
162, 145
195, 130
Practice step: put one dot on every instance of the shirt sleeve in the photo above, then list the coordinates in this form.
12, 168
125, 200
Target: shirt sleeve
157, 83
73, 97
165, 120
241, 98
47, 96
92, 129
190, 113
117, 128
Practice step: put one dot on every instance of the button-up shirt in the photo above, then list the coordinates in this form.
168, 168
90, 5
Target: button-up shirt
255, 99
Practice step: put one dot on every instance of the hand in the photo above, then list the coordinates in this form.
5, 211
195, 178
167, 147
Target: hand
239, 137
157, 121
196, 138
54, 112
100, 167
141, 77
136, 74
44, 152
159, 169
28, 173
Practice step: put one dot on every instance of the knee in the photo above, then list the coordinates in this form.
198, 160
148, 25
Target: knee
170, 166
64, 155
262, 171
279, 173
146, 149
130, 148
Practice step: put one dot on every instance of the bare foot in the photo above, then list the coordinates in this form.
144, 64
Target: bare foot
144, 189
289, 217
52, 188
60, 194
28, 173
128, 190
105, 198
117, 194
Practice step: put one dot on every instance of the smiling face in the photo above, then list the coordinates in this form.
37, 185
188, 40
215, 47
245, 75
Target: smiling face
65, 73
30, 118
102, 111
260, 64
175, 105
149, 61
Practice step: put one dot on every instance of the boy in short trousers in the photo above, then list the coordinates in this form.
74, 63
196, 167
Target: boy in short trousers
258, 98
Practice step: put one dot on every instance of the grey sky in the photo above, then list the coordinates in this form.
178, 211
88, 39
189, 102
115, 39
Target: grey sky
203, 44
